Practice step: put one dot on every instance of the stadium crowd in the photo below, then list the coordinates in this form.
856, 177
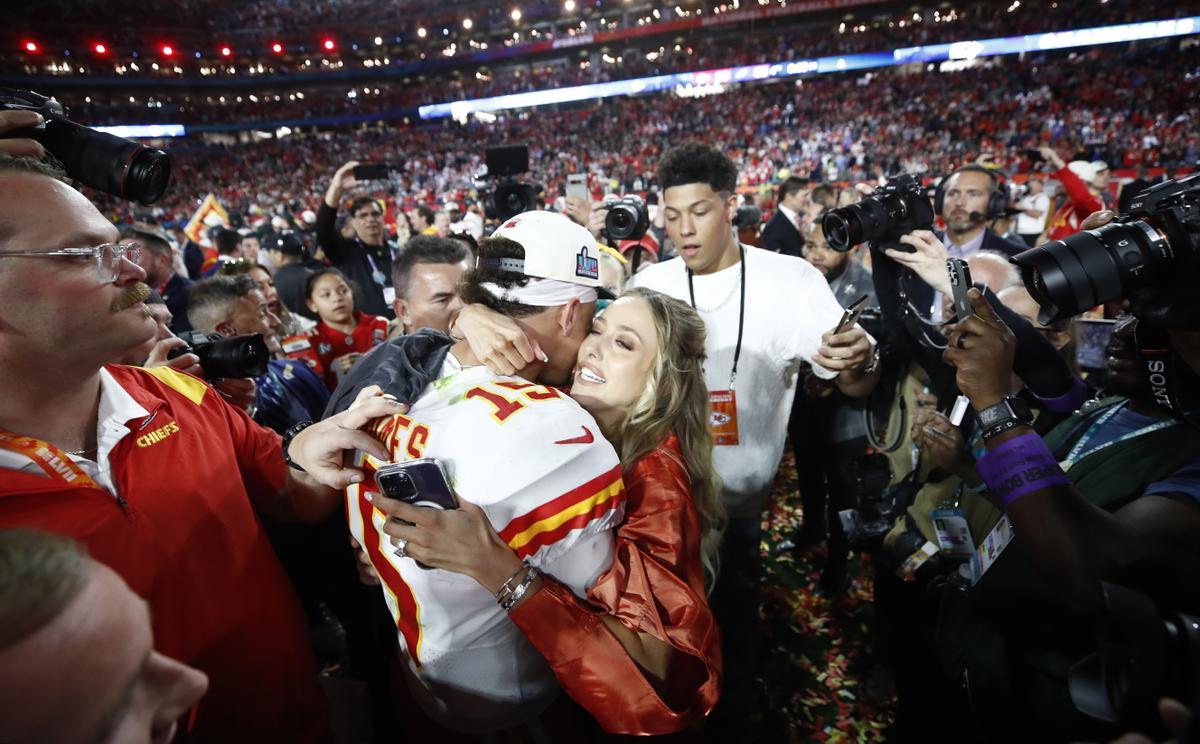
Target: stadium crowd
339, 440
920, 122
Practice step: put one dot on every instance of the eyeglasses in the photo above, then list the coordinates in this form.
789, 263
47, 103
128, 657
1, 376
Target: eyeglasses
107, 256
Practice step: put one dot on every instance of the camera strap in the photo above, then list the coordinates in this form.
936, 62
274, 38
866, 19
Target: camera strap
722, 404
53, 461
1168, 378
737, 350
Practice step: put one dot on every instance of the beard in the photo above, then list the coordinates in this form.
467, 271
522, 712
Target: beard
139, 292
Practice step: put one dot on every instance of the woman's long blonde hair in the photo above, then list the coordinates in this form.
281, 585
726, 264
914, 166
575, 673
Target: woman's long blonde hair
675, 399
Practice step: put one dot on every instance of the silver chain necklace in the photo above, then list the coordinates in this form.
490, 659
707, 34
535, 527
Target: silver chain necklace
723, 302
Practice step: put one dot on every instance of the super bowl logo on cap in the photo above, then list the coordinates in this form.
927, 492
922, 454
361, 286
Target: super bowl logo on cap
586, 266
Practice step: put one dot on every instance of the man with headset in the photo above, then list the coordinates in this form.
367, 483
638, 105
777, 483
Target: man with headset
969, 199
910, 283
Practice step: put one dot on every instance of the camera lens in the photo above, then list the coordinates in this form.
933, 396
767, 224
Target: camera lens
108, 163
1092, 267
842, 229
620, 222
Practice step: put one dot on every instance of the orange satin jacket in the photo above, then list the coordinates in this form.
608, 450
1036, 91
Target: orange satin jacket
655, 586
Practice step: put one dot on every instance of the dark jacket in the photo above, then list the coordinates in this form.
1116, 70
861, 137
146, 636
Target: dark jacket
402, 367
289, 284
368, 267
781, 236
175, 295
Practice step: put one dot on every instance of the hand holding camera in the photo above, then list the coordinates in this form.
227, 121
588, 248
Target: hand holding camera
20, 147
943, 443
982, 348
927, 259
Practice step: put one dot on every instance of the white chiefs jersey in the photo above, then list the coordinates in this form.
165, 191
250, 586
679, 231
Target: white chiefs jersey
551, 486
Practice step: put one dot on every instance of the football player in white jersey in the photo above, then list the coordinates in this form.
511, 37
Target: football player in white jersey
530, 456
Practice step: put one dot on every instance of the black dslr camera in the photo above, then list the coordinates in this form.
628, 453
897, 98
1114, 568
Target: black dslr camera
509, 197
1144, 654
1150, 255
898, 207
236, 356
102, 161
627, 218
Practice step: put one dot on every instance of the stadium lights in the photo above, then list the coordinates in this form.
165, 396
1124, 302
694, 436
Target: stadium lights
226, 51
421, 32
378, 41
468, 23
329, 45
569, 5
30, 46
277, 48
100, 48
168, 50
515, 14
931, 53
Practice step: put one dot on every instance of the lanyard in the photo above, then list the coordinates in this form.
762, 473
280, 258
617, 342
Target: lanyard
737, 351
1077, 452
49, 458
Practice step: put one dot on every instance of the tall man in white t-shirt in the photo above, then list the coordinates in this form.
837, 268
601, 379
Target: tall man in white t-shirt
765, 314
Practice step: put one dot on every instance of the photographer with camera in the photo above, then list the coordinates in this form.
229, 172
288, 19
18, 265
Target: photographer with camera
365, 259
909, 271
156, 475
1110, 495
286, 391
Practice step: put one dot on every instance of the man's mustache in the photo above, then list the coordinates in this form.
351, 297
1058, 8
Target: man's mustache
139, 292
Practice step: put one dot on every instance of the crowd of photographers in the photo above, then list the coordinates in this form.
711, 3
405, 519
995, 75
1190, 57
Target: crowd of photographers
1003, 413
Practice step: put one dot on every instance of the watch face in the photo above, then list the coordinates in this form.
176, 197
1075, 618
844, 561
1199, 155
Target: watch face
994, 414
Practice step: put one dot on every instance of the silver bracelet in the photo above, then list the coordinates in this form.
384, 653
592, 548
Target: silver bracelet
507, 587
511, 601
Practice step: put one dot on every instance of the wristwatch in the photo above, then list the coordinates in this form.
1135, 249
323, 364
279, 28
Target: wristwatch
288, 436
1010, 412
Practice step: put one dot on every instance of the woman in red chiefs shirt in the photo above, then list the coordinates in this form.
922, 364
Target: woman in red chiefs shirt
342, 335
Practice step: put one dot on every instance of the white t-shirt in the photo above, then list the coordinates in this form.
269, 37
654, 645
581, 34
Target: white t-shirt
788, 306
1027, 225
551, 486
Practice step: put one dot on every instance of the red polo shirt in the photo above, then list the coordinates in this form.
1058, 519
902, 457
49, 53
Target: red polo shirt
329, 343
187, 540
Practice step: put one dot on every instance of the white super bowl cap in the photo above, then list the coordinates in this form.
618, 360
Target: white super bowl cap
557, 251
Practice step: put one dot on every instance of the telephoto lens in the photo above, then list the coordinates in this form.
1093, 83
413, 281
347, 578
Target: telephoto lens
96, 159
1150, 255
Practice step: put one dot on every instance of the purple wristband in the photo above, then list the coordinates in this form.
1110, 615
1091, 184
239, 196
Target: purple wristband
1067, 402
1020, 466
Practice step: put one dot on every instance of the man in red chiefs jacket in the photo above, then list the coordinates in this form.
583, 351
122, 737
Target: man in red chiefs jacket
150, 469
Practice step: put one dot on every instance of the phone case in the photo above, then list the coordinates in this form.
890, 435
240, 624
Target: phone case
420, 482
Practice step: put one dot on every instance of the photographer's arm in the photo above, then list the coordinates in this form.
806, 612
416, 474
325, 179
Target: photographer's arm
1074, 543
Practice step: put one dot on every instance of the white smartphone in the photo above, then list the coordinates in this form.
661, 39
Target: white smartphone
577, 186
